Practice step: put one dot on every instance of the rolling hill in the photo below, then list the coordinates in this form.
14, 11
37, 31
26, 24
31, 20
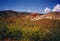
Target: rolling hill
51, 15
25, 26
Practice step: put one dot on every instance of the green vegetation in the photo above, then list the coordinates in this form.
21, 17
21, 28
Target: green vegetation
26, 30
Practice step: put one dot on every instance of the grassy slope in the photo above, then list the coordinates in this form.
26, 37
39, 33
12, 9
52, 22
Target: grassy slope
31, 30
16, 27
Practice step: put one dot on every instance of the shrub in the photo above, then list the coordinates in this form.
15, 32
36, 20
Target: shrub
14, 32
3, 30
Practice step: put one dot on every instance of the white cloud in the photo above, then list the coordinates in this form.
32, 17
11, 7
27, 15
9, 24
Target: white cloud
29, 10
56, 8
47, 10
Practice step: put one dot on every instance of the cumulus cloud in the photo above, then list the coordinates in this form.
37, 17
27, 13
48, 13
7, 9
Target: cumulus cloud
56, 8
47, 10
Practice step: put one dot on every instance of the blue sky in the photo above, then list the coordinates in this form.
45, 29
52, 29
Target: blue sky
28, 5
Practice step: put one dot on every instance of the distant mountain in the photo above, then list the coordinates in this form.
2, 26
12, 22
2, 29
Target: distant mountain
11, 16
10, 13
31, 16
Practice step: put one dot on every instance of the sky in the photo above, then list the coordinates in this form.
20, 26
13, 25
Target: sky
38, 6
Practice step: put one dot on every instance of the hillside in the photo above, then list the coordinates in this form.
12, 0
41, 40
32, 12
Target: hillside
33, 18
51, 15
24, 26
24, 18
11, 16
